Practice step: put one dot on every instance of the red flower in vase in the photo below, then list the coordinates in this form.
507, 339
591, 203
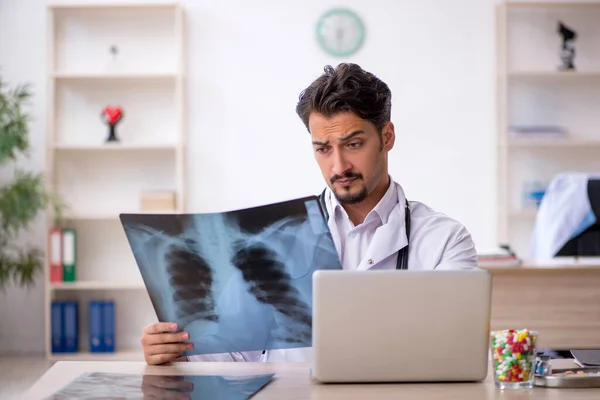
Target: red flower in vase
112, 115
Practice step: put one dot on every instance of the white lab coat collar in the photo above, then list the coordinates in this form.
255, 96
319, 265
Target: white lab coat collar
389, 238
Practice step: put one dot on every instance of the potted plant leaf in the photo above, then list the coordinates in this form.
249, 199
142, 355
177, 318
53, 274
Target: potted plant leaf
23, 194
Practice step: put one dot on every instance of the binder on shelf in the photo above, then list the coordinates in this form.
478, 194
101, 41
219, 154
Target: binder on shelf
55, 255
71, 326
95, 326
64, 326
69, 254
102, 326
56, 327
108, 325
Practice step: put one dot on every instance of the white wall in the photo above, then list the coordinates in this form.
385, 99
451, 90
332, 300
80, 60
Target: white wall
247, 63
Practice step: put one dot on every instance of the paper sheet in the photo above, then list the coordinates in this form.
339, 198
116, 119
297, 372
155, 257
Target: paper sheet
237, 281
107, 386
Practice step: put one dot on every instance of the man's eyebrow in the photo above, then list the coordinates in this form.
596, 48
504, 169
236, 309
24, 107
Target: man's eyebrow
342, 139
350, 136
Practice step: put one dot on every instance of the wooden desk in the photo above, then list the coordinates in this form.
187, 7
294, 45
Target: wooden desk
292, 381
560, 301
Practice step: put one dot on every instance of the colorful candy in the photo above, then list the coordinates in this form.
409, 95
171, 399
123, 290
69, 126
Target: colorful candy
513, 354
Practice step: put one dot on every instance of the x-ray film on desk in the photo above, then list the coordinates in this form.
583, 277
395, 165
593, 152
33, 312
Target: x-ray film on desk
119, 386
237, 281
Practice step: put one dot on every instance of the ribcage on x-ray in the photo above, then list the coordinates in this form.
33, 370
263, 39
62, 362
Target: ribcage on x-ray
191, 279
270, 283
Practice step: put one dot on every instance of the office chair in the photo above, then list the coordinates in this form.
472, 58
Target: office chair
587, 243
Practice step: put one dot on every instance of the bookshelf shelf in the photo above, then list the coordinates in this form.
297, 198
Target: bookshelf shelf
98, 285
554, 75
101, 54
107, 217
552, 142
65, 76
116, 147
121, 355
541, 5
91, 217
115, 6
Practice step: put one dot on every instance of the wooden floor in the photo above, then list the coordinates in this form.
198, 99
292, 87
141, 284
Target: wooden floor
18, 373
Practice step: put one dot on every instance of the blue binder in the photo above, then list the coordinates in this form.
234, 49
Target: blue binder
71, 326
108, 325
102, 326
95, 326
56, 327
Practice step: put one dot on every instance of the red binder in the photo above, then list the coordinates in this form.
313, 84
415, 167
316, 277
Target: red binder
55, 255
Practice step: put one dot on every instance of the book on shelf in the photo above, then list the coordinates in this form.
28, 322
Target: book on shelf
502, 256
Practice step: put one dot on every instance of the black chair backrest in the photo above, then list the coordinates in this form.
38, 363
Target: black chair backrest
587, 243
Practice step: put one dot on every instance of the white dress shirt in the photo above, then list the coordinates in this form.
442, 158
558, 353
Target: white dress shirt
352, 242
436, 242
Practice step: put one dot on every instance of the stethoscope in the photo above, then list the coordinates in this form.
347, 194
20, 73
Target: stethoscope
402, 261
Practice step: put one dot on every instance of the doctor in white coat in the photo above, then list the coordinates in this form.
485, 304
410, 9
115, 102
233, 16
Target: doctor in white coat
347, 113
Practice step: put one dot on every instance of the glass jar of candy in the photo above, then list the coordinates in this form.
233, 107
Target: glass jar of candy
514, 358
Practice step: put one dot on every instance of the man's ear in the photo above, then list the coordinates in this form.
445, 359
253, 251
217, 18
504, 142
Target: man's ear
388, 136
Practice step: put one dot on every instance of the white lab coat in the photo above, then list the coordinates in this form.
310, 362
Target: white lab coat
564, 213
436, 242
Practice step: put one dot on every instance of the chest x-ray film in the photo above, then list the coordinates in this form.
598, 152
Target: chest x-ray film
237, 281
107, 385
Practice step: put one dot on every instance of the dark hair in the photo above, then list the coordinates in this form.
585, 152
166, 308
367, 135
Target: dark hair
348, 87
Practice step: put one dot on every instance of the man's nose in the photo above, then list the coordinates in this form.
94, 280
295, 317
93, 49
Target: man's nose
340, 164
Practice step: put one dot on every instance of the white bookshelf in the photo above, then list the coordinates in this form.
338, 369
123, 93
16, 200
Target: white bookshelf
532, 90
125, 355
100, 180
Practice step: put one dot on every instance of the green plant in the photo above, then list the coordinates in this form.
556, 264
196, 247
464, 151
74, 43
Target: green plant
24, 196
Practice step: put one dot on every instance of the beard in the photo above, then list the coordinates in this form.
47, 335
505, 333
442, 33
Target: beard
351, 194
360, 189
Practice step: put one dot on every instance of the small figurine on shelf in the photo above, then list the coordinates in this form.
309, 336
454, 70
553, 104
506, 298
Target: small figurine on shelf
112, 116
114, 50
114, 64
567, 52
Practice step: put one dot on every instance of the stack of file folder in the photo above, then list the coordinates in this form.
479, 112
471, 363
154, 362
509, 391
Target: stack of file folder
63, 254
65, 326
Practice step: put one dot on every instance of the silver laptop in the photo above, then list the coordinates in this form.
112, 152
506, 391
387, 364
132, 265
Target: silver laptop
401, 326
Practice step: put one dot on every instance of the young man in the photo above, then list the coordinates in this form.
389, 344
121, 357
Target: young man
347, 113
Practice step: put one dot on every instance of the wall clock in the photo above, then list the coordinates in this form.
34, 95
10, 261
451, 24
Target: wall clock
340, 32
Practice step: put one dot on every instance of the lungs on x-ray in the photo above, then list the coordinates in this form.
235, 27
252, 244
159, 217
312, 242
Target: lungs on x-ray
238, 280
